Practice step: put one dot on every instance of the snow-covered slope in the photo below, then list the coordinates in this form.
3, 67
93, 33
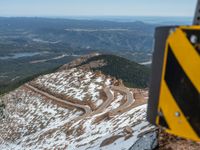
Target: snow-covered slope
75, 109
74, 83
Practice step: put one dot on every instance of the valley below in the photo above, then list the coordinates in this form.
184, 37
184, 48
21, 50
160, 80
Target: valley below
33, 46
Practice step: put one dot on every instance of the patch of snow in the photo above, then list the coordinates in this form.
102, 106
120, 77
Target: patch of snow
108, 82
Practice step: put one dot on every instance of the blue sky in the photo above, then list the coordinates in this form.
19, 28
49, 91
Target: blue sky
97, 7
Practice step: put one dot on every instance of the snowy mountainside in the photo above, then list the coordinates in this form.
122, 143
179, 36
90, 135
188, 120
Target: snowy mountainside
76, 109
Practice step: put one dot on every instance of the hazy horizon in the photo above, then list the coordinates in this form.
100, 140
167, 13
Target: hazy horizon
76, 8
159, 20
91, 16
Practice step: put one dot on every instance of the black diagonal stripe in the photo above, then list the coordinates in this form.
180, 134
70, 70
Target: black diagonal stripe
189, 34
183, 91
162, 120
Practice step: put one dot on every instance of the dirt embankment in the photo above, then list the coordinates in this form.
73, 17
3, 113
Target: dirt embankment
171, 142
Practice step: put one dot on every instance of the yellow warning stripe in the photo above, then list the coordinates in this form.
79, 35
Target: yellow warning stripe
178, 125
195, 27
186, 55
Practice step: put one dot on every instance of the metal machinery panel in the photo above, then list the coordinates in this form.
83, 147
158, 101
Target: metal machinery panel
174, 100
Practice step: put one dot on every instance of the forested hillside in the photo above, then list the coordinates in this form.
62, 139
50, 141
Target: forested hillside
132, 74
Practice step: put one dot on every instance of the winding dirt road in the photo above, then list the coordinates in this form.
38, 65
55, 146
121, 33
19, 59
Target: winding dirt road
88, 111
129, 98
110, 98
85, 108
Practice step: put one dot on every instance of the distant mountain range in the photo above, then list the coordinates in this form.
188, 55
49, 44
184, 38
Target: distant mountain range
65, 34
156, 20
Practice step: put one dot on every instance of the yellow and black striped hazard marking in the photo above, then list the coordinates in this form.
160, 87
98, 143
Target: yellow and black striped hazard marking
179, 99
